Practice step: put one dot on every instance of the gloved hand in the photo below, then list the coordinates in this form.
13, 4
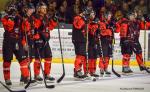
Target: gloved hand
36, 36
17, 46
45, 36
26, 47
24, 44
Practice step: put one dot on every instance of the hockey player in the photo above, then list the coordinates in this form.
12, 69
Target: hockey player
12, 45
27, 29
122, 27
92, 46
129, 40
79, 41
42, 26
105, 43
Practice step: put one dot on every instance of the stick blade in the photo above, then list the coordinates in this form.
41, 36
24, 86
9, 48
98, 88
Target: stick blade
50, 86
118, 75
27, 85
19, 91
61, 78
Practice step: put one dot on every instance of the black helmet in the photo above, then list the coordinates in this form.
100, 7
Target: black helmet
130, 13
11, 9
87, 10
30, 6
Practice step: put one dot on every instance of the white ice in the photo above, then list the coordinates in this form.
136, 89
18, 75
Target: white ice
139, 82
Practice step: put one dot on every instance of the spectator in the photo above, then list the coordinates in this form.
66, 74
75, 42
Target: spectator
141, 6
125, 9
52, 8
131, 4
111, 6
65, 4
76, 11
89, 4
76, 7
77, 3
62, 14
97, 4
101, 13
118, 15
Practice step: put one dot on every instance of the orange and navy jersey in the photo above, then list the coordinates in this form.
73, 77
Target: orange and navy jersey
43, 25
78, 22
122, 27
147, 25
78, 33
92, 28
93, 33
8, 24
134, 29
105, 31
12, 25
26, 25
27, 29
142, 25
129, 29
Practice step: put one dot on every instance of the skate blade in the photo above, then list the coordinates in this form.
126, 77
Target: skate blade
97, 78
9, 86
107, 75
143, 72
49, 81
39, 82
101, 75
79, 79
88, 78
127, 74
22, 84
33, 84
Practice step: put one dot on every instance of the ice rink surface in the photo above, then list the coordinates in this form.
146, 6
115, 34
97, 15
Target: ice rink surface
137, 82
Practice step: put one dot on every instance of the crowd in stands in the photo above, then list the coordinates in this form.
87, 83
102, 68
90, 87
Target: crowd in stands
67, 9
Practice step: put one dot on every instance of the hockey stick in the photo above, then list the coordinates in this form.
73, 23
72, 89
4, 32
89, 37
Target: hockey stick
113, 42
100, 46
10, 89
87, 43
144, 42
28, 56
47, 86
62, 58
87, 54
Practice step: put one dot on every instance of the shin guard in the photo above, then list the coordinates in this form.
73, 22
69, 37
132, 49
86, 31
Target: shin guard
24, 68
6, 69
36, 67
106, 63
47, 66
101, 63
78, 62
125, 60
139, 59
